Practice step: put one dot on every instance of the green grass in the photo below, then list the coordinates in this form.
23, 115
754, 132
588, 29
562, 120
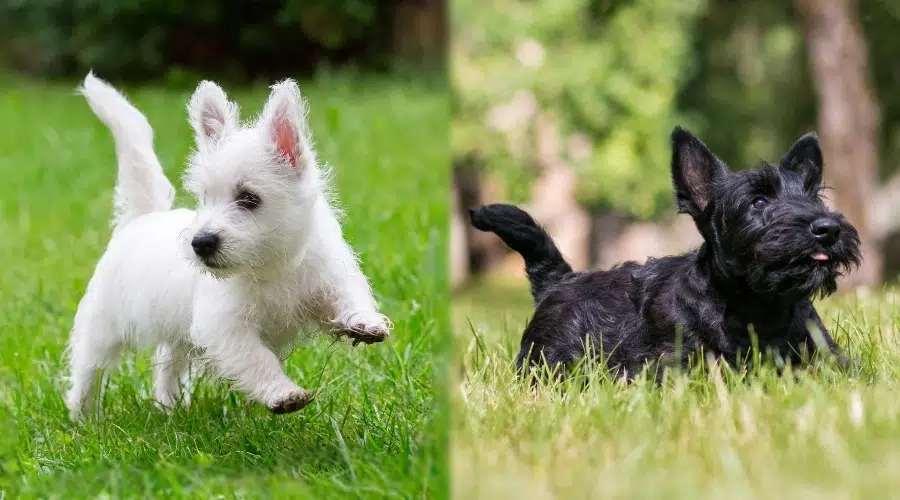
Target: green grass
372, 430
821, 434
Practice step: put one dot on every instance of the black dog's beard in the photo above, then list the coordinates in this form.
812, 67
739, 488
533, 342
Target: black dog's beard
794, 279
777, 259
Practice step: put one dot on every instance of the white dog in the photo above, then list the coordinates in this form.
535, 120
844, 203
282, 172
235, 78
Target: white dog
260, 260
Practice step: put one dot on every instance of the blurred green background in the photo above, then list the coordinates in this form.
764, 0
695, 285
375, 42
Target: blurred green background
153, 39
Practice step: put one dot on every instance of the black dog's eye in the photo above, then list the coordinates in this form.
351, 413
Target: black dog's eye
759, 202
247, 200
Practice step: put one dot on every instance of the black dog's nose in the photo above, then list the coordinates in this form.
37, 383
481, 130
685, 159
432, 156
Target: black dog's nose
205, 244
825, 230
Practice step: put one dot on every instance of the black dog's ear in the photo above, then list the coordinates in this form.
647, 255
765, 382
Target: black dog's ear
805, 157
694, 171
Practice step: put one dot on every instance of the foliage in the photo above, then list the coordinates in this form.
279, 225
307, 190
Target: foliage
139, 38
372, 429
880, 20
607, 71
620, 74
752, 95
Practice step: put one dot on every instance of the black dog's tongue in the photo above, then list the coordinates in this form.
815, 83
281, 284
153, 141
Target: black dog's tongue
819, 256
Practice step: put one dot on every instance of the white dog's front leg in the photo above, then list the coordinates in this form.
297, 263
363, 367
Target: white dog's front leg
237, 353
352, 307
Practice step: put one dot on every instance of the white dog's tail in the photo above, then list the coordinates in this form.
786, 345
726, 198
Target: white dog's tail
142, 187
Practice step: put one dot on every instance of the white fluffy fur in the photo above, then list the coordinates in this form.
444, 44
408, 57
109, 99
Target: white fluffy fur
281, 268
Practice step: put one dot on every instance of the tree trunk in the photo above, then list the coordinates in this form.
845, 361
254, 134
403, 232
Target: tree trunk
419, 30
848, 119
459, 243
483, 250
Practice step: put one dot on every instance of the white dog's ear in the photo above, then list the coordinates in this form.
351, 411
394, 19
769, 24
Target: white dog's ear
211, 114
283, 122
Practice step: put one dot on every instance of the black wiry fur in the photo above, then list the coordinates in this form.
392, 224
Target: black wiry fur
754, 271
543, 262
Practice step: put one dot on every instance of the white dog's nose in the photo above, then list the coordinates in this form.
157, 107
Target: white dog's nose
205, 244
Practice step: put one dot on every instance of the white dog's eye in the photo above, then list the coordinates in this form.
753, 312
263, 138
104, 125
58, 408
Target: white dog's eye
247, 200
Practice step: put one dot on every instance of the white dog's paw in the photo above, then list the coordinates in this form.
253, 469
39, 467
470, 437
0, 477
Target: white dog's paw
76, 415
290, 401
367, 327
81, 406
168, 402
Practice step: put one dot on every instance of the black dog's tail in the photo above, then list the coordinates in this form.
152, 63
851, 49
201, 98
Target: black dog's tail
543, 262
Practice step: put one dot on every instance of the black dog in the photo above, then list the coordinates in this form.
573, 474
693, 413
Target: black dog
770, 246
